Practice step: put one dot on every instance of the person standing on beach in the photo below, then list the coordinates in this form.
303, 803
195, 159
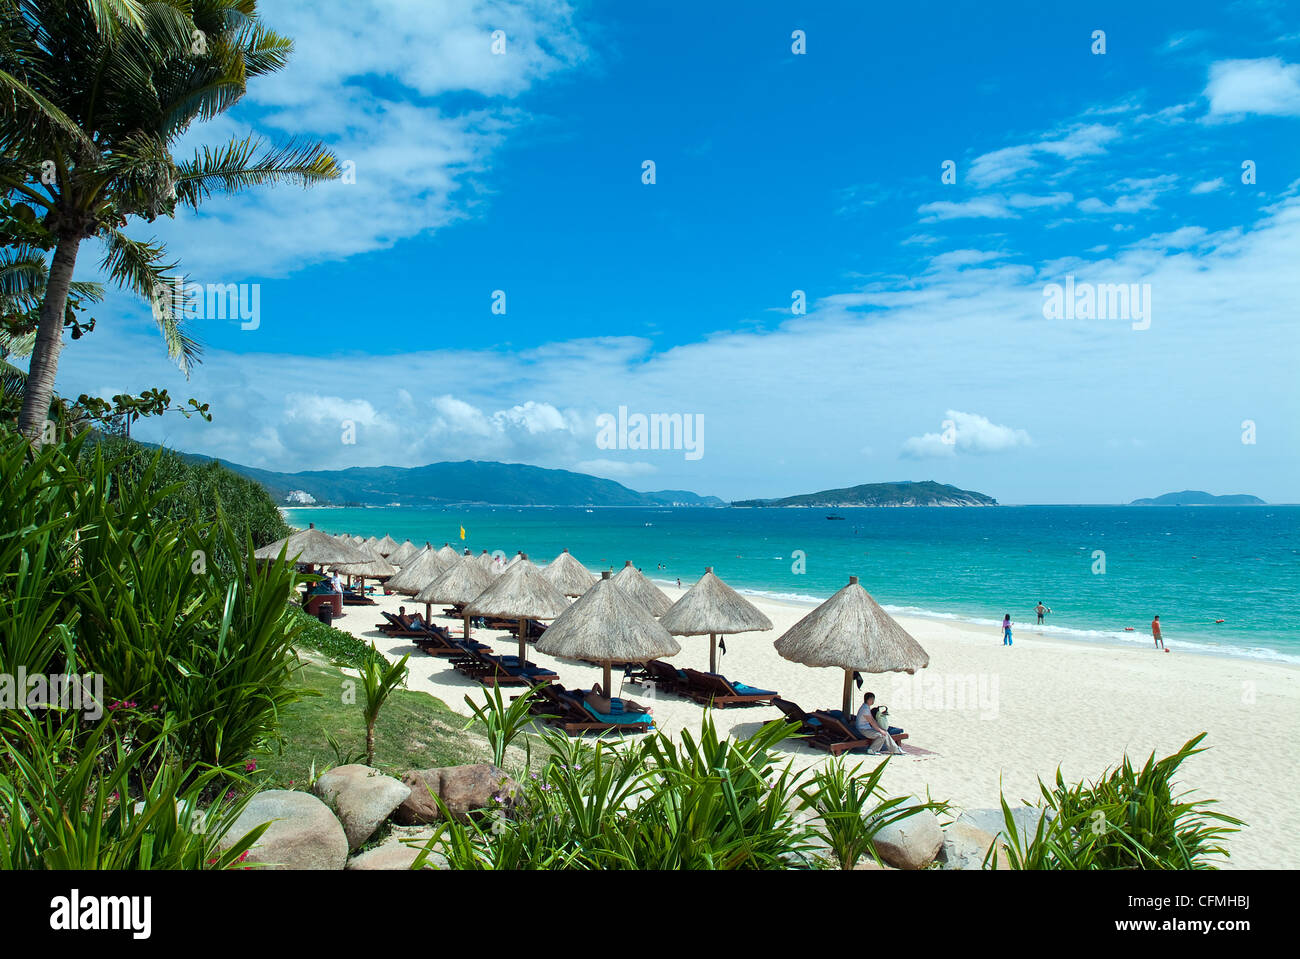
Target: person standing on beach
1155, 633
1006, 630
1041, 610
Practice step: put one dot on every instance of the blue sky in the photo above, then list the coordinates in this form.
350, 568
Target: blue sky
924, 352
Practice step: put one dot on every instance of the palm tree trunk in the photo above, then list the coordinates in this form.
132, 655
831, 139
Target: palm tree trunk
370, 744
49, 342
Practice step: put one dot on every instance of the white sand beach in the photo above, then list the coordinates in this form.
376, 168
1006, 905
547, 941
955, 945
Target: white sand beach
993, 715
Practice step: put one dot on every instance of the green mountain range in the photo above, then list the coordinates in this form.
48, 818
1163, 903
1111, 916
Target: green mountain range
928, 493
440, 484
1193, 497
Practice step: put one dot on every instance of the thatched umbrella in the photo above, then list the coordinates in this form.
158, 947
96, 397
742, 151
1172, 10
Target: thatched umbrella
386, 546
606, 625
448, 553
568, 575
460, 583
646, 593
358, 540
852, 632
312, 547
423, 569
403, 554
371, 566
713, 607
373, 542
521, 593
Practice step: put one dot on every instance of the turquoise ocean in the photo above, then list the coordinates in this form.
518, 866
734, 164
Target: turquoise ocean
1190, 565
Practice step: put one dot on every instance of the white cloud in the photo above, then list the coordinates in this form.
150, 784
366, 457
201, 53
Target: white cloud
1266, 86
1208, 186
989, 206
965, 433
416, 164
1006, 163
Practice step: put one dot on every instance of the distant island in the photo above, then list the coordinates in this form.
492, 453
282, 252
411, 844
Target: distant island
446, 484
928, 493
1193, 497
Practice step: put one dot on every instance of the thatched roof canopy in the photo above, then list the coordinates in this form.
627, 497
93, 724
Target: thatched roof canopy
371, 565
521, 592
568, 575
423, 569
851, 631
403, 554
313, 546
606, 625
461, 582
386, 546
711, 606
634, 583
448, 553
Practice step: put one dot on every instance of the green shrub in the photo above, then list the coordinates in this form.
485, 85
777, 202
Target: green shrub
99, 578
337, 646
67, 802
1128, 819
194, 492
704, 803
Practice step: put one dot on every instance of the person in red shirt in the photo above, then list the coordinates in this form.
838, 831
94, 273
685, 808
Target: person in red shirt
1155, 633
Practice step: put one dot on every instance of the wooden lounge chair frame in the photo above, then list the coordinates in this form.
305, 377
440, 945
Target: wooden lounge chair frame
712, 689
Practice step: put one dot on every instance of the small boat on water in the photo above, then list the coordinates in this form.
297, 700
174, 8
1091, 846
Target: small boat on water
834, 516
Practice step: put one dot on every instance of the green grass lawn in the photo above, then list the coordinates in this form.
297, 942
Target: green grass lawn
415, 731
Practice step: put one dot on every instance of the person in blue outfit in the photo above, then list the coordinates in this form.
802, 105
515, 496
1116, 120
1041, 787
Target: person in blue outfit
1006, 630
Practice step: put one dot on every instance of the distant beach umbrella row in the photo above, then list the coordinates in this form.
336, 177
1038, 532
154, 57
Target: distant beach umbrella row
620, 618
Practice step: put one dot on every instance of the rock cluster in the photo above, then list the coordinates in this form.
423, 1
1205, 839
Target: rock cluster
349, 805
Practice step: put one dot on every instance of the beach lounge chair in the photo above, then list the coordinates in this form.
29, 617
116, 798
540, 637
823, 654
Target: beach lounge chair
353, 597
716, 690
809, 725
837, 737
569, 712
493, 670
665, 677
439, 642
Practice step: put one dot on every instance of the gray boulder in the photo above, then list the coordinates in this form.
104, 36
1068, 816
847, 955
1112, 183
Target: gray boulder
393, 853
462, 788
303, 833
992, 821
965, 846
911, 843
362, 798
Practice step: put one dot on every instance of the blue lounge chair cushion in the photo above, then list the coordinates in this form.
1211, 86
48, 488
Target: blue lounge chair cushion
751, 691
618, 719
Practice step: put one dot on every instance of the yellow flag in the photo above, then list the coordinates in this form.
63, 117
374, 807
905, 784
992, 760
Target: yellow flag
462, 532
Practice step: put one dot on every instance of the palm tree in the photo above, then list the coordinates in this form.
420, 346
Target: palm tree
95, 93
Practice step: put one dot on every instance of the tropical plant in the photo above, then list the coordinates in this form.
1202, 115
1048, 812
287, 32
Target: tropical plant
852, 809
377, 682
82, 800
96, 580
1128, 819
503, 723
98, 92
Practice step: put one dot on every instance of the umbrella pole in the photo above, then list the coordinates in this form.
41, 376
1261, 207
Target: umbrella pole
605, 689
713, 652
522, 642
467, 625
848, 686
428, 612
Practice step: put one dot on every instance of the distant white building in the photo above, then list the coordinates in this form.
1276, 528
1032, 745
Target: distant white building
300, 496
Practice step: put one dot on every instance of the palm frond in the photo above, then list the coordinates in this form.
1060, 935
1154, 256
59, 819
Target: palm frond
139, 265
234, 167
